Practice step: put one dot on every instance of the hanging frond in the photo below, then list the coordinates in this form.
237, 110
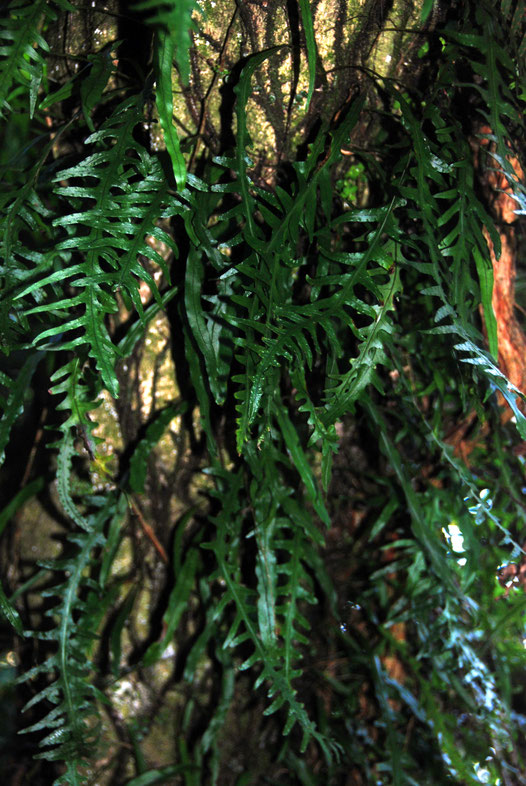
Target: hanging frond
22, 46
118, 200
296, 316
70, 732
175, 20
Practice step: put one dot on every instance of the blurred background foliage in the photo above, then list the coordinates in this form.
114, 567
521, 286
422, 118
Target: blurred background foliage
262, 497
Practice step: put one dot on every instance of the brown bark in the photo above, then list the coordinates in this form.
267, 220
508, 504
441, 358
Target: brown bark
511, 337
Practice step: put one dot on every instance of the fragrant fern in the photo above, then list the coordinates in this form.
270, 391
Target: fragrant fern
24, 49
452, 210
112, 231
22, 212
71, 693
258, 614
294, 317
173, 22
13, 404
174, 17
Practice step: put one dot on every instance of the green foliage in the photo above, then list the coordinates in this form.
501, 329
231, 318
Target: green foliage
174, 19
71, 694
310, 42
24, 50
299, 312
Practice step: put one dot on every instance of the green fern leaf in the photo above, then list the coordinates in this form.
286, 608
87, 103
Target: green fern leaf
310, 41
154, 432
299, 460
69, 723
111, 231
163, 96
22, 61
93, 85
13, 406
177, 605
174, 18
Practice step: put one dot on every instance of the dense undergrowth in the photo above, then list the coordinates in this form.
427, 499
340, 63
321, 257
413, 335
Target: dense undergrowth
329, 349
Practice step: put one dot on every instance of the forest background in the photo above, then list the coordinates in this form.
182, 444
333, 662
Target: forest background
262, 370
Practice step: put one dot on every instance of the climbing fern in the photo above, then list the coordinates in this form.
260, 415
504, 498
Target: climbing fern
24, 49
294, 316
70, 732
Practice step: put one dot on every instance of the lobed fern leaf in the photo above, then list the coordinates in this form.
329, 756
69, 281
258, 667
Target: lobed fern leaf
274, 286
165, 46
174, 18
119, 201
69, 725
20, 39
13, 405
310, 42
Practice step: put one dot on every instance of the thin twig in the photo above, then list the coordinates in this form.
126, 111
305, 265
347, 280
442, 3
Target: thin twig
148, 530
204, 103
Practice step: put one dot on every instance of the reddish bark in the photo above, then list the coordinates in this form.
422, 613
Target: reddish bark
511, 338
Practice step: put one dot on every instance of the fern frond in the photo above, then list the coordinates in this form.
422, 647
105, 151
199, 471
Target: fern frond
287, 331
310, 41
69, 728
165, 46
373, 341
211, 333
93, 86
23, 49
438, 179
277, 673
174, 18
21, 212
119, 199
270, 615
21, 40
12, 405
78, 401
